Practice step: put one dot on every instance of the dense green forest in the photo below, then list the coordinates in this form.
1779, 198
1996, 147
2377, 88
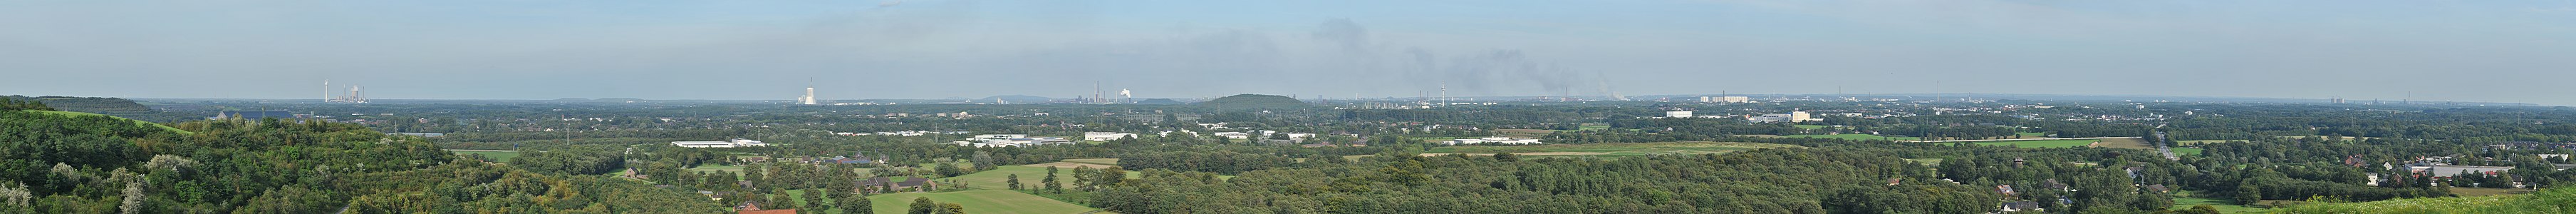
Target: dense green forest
71, 163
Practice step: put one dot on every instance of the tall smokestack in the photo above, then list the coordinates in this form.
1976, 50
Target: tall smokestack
326, 90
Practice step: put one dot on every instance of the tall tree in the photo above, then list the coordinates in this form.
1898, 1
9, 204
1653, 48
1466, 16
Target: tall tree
1050, 182
923, 206
1015, 181
855, 204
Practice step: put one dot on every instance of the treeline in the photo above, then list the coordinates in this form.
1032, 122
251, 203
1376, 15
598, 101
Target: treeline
1220, 162
85, 164
572, 160
1771, 180
10, 104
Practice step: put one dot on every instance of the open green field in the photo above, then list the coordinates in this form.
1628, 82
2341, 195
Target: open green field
1000, 177
1101, 161
1926, 161
735, 169
2031, 134
77, 114
2548, 201
1592, 127
2185, 200
2127, 143
1810, 127
2180, 151
2040, 143
975, 201
1612, 149
1854, 137
978, 201
2475, 192
501, 156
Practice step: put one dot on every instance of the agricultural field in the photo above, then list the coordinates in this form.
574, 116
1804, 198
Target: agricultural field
1811, 127
2474, 192
1592, 126
1855, 137
2185, 200
503, 156
2041, 143
2127, 143
1101, 161
979, 201
1610, 149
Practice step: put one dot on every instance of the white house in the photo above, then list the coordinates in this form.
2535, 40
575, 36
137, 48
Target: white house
1677, 114
1795, 116
737, 142
1234, 135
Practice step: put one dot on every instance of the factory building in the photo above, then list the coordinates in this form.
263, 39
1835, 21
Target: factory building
735, 143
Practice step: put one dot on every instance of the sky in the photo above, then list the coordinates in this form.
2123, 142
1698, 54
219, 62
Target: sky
2488, 51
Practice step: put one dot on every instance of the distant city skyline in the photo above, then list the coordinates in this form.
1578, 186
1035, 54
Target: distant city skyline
2479, 51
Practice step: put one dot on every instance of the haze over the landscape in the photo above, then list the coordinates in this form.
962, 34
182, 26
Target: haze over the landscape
2498, 51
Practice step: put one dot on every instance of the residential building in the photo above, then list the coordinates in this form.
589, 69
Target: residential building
1677, 114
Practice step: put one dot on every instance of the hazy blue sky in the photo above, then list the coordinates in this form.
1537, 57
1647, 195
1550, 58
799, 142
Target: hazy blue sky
2503, 51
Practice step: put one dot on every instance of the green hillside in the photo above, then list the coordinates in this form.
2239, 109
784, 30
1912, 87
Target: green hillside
2560, 200
70, 162
89, 104
1253, 101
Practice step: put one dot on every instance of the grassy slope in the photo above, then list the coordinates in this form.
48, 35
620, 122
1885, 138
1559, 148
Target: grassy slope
502, 156
2127, 143
1101, 161
76, 114
2187, 200
978, 201
2561, 200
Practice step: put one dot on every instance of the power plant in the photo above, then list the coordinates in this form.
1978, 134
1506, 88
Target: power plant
354, 96
808, 99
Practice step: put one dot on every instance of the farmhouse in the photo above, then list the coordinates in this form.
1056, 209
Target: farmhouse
736, 142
